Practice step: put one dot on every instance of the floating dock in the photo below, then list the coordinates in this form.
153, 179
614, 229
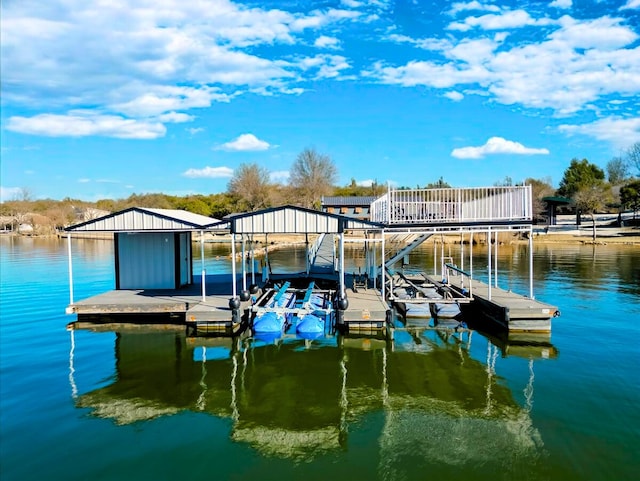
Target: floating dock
515, 312
155, 275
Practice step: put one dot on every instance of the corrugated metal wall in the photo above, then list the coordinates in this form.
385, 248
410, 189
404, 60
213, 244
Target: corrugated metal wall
287, 221
135, 220
146, 261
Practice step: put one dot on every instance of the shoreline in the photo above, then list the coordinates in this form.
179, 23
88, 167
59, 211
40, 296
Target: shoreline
604, 236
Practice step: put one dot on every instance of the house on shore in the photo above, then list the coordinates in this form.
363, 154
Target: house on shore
349, 206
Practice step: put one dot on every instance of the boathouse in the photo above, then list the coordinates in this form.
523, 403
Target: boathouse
152, 247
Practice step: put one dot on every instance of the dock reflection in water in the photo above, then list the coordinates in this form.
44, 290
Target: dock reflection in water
297, 399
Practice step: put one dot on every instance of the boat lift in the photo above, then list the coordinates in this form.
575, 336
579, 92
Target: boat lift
268, 302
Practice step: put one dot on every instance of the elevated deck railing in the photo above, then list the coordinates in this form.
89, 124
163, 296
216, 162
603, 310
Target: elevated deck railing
467, 205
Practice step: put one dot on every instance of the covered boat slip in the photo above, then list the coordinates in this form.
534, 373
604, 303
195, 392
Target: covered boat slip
153, 264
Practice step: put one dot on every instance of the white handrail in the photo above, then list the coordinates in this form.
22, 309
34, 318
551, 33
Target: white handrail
437, 206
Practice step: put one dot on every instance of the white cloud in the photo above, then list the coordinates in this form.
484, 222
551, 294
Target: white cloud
175, 117
162, 99
473, 5
631, 4
195, 130
279, 176
454, 95
578, 63
561, 4
619, 132
86, 124
209, 172
140, 61
505, 20
495, 145
243, 143
351, 3
324, 66
326, 42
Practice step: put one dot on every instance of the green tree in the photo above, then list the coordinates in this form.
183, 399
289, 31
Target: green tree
630, 196
220, 205
617, 170
362, 190
580, 174
312, 176
507, 182
193, 203
440, 184
250, 187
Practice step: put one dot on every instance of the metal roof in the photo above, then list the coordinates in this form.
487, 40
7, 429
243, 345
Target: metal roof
138, 219
290, 219
348, 201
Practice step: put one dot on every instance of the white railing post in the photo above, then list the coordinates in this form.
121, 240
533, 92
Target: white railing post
531, 262
489, 263
202, 270
70, 268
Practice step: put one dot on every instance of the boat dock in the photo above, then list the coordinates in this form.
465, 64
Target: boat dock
156, 274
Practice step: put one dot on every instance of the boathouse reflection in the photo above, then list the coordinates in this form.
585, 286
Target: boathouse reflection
297, 399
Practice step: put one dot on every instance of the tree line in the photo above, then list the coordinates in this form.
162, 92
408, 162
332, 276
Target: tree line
314, 175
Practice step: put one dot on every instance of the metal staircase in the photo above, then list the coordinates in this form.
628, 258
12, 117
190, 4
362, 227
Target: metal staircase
401, 245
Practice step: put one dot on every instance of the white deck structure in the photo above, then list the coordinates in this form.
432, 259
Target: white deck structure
453, 206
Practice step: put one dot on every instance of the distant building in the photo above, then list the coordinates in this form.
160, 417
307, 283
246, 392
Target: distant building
350, 206
553, 202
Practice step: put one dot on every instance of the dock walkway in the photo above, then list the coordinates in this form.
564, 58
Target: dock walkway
367, 309
324, 259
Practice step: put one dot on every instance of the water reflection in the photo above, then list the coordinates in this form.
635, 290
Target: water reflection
299, 399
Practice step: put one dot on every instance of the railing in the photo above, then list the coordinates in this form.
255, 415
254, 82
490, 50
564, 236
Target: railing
424, 206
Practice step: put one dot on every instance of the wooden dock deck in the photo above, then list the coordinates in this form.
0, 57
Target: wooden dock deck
367, 310
513, 311
184, 305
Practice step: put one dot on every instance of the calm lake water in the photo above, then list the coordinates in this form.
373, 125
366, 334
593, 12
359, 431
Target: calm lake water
157, 405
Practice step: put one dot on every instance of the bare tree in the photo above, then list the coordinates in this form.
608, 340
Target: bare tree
633, 155
251, 187
592, 198
312, 176
617, 170
540, 188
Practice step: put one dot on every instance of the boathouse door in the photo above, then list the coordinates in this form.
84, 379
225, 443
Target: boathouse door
152, 260
184, 259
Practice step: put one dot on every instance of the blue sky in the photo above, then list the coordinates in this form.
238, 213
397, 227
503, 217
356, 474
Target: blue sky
105, 98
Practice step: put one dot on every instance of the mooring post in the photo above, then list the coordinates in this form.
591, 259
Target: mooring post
471, 264
233, 264
495, 260
531, 262
70, 268
384, 269
244, 266
203, 272
489, 266
342, 293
